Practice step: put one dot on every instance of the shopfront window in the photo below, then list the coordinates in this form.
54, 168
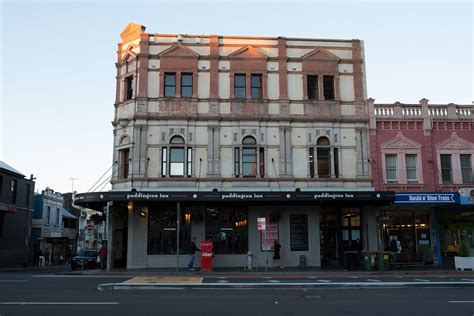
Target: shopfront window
162, 231
228, 230
299, 232
411, 229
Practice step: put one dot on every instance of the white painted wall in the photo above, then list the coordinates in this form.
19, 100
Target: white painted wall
295, 86
273, 88
204, 80
346, 88
224, 85
153, 84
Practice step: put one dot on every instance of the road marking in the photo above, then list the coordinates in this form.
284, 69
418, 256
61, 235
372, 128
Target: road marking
354, 277
222, 281
372, 280
13, 280
453, 302
324, 281
422, 280
311, 277
274, 281
472, 280
165, 279
59, 303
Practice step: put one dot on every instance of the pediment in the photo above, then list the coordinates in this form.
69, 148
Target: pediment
131, 32
401, 142
129, 56
179, 50
248, 52
455, 143
320, 55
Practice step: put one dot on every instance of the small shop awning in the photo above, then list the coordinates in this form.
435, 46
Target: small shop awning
67, 214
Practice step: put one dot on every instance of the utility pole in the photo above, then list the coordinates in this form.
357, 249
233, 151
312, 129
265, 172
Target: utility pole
72, 184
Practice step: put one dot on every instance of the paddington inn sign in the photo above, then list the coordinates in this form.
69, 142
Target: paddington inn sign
215, 196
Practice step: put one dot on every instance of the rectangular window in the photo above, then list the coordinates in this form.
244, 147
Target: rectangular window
261, 159
2, 219
13, 190
170, 85
256, 85
124, 155
249, 162
164, 160
311, 162
48, 215
237, 161
328, 84
324, 165
57, 216
162, 231
336, 162
299, 232
1, 187
466, 168
239, 86
129, 88
410, 162
391, 168
228, 230
312, 85
189, 166
186, 85
177, 161
446, 169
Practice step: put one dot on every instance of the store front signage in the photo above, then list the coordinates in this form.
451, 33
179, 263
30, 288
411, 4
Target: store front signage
267, 196
426, 198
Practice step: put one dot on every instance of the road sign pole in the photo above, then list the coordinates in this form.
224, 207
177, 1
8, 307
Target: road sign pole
265, 248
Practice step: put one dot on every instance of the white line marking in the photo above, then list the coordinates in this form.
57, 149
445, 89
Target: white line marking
460, 302
274, 281
422, 280
13, 280
372, 280
223, 281
59, 303
311, 277
472, 280
324, 281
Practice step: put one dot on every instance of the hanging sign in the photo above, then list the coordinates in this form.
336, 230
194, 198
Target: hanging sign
261, 223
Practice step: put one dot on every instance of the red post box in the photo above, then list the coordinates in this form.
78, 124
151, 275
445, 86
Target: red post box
206, 255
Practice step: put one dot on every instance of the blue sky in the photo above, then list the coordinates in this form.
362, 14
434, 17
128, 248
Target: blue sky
58, 72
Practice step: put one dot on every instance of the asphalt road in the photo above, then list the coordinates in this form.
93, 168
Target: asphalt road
43, 294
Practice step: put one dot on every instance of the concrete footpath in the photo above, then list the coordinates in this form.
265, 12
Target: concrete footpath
159, 279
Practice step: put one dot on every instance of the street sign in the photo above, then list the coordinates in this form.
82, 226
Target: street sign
90, 227
261, 223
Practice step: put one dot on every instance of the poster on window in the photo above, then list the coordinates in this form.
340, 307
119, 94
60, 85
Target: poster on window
272, 232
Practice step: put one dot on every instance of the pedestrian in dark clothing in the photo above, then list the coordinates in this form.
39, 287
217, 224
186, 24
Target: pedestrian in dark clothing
193, 249
103, 255
276, 254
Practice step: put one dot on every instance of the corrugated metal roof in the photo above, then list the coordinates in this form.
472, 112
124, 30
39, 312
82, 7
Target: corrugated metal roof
9, 168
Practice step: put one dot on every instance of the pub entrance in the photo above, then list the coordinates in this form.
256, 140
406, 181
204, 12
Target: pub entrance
119, 217
339, 228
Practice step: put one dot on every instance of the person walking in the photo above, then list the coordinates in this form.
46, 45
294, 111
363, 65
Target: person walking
103, 255
193, 249
276, 254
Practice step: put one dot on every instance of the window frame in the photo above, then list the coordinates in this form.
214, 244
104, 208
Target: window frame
310, 90
177, 142
329, 90
467, 168
168, 85
393, 168
445, 168
239, 87
129, 88
187, 86
258, 88
411, 168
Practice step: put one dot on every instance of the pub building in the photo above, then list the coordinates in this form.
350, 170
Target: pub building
215, 131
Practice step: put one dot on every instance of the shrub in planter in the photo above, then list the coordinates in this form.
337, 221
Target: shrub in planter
463, 251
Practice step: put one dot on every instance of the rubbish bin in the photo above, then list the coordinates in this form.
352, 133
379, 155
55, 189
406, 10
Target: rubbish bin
382, 261
367, 261
302, 261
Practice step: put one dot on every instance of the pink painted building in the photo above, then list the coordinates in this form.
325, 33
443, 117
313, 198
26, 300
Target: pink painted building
425, 148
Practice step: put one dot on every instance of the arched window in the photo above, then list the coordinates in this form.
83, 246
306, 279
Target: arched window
178, 162
251, 154
249, 157
323, 158
320, 159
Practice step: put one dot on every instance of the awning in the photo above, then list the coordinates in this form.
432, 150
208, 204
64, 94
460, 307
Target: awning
98, 200
67, 214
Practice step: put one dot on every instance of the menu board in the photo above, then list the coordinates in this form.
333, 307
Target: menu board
272, 232
299, 232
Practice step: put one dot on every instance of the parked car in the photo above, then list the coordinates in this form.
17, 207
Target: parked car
89, 257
